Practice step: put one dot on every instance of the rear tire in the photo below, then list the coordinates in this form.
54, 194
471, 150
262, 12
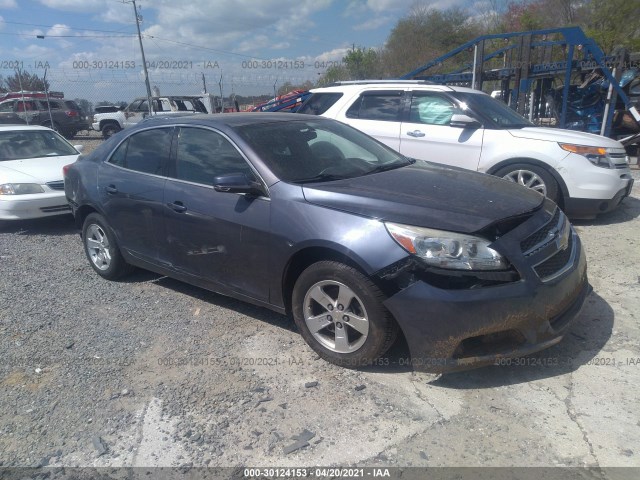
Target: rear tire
109, 130
340, 314
101, 248
531, 176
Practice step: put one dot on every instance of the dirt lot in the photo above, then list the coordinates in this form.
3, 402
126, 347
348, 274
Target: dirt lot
153, 372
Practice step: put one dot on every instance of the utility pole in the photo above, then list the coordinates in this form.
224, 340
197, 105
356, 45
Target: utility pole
144, 61
221, 97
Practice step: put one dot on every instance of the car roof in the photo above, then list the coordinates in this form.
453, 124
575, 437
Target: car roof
235, 119
373, 85
5, 128
173, 97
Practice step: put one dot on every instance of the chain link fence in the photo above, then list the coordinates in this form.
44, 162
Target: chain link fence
94, 83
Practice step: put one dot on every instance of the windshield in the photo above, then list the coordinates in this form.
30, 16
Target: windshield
18, 144
494, 110
304, 151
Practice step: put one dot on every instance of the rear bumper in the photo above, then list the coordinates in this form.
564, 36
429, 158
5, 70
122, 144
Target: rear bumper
449, 330
590, 207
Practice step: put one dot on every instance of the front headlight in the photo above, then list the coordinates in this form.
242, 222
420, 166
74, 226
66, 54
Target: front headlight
599, 156
450, 250
20, 188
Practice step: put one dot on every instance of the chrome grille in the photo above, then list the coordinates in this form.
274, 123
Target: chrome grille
541, 237
556, 263
619, 159
57, 185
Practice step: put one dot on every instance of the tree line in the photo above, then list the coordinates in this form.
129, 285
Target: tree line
426, 33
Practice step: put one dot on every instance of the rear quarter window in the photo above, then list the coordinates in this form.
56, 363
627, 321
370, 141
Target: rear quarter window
319, 103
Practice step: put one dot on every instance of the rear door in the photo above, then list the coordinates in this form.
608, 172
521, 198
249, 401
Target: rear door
131, 188
377, 113
426, 133
220, 237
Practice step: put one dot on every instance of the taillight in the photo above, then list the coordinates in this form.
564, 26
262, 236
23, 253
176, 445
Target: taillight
65, 169
71, 113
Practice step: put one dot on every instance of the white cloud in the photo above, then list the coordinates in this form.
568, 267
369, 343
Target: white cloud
59, 29
371, 24
337, 54
357, 8
75, 5
8, 4
382, 5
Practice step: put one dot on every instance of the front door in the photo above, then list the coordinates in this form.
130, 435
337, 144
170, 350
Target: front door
427, 134
220, 237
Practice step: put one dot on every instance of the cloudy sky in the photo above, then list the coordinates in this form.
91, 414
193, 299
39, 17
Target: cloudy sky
91, 50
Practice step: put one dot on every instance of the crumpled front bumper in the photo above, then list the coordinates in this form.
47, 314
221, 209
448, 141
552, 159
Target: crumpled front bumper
449, 330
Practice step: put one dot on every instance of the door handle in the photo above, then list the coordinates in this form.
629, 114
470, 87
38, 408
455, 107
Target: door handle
111, 189
177, 207
416, 134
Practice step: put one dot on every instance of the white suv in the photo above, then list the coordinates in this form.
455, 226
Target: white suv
586, 174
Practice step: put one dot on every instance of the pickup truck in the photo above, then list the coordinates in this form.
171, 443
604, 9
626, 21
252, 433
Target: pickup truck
112, 122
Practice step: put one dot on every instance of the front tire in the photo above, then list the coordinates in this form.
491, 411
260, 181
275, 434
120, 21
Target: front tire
101, 248
533, 177
340, 314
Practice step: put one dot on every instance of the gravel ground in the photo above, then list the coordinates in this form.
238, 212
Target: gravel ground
153, 372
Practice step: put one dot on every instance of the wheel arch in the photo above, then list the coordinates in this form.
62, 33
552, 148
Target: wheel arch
82, 213
306, 257
532, 161
109, 121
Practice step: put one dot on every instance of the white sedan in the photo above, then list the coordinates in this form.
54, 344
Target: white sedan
31, 181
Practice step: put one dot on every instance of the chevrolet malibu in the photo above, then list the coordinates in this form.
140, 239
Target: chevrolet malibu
310, 217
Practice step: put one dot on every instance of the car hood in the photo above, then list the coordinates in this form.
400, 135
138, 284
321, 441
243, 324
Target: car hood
564, 136
428, 195
34, 170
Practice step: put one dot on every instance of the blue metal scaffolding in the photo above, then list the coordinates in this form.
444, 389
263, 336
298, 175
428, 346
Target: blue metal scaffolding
578, 53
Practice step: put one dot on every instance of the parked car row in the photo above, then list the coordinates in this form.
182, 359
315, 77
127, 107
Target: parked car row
114, 120
58, 113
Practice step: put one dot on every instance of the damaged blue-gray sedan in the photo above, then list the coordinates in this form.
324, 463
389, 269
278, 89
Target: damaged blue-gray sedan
312, 218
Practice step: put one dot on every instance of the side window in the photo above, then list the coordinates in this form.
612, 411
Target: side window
377, 106
319, 103
204, 155
145, 152
431, 109
6, 107
26, 106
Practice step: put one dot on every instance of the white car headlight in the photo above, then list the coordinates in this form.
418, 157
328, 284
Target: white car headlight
20, 188
599, 156
450, 250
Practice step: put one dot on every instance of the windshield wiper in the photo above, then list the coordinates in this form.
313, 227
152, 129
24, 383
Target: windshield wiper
390, 166
323, 177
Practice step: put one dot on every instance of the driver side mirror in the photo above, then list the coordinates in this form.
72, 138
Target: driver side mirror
238, 183
460, 120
